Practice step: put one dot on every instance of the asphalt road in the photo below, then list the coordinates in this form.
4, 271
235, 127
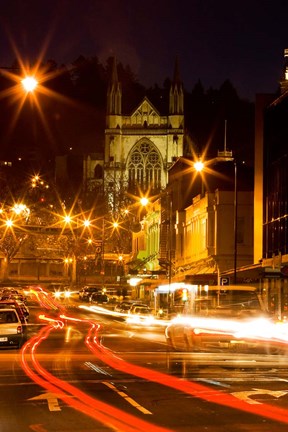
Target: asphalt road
101, 374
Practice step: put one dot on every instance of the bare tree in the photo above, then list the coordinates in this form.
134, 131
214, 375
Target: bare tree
10, 243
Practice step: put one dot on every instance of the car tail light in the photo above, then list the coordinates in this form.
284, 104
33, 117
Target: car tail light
19, 329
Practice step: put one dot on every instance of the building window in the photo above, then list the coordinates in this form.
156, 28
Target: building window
144, 167
98, 172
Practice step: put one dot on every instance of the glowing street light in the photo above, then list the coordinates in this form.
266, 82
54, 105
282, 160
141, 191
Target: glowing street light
199, 165
144, 201
67, 219
86, 223
68, 260
9, 223
20, 209
199, 168
29, 84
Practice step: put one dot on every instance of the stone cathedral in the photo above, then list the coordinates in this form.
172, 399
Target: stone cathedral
140, 146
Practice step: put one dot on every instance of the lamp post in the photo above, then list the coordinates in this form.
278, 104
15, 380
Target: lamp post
235, 223
29, 85
167, 242
199, 167
170, 233
68, 262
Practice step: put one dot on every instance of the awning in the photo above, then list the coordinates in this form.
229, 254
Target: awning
202, 279
246, 274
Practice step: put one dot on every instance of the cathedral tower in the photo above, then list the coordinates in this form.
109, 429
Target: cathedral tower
141, 146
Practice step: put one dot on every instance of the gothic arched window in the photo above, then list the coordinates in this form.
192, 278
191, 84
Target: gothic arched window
98, 172
144, 167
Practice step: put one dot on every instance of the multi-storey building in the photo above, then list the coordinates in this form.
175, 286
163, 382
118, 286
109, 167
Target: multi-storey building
198, 239
271, 194
205, 236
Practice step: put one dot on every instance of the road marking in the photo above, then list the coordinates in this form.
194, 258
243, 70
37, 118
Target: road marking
127, 398
96, 368
52, 400
244, 379
245, 395
211, 381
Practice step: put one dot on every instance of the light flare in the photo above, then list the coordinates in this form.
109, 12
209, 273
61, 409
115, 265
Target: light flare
29, 83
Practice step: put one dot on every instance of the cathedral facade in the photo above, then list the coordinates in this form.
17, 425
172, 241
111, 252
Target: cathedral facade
140, 146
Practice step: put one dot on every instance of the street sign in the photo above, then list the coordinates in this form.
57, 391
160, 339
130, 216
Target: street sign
224, 280
98, 246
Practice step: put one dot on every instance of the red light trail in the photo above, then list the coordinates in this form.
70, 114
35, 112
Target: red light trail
114, 417
100, 411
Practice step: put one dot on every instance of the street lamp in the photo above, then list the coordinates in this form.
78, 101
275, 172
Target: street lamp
144, 201
67, 219
235, 223
68, 261
198, 165
170, 233
9, 223
29, 83
86, 223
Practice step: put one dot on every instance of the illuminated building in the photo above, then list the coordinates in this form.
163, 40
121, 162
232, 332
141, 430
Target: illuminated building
271, 195
141, 144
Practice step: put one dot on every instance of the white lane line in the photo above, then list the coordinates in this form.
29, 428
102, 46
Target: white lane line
214, 382
127, 398
96, 368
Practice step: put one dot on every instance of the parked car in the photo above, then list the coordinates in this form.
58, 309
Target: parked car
122, 307
13, 304
25, 309
86, 291
136, 305
13, 296
99, 298
12, 293
7, 291
11, 328
140, 310
128, 306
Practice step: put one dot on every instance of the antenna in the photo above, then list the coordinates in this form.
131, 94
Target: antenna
225, 155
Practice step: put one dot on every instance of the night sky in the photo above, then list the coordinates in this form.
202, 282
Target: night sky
215, 40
